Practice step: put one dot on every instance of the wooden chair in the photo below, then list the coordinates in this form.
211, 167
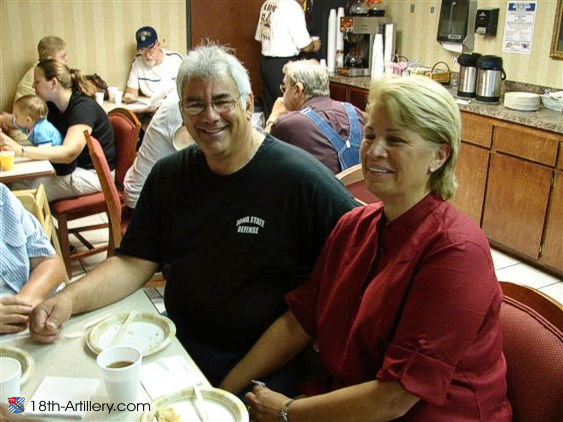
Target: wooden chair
353, 179
126, 129
117, 222
35, 201
532, 325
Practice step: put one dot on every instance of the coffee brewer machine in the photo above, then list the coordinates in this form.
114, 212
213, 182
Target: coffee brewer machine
359, 34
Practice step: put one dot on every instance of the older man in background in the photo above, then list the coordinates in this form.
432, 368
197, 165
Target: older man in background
164, 136
307, 117
153, 71
282, 31
235, 222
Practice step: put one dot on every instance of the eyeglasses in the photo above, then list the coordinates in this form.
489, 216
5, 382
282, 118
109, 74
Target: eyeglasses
149, 49
283, 88
220, 106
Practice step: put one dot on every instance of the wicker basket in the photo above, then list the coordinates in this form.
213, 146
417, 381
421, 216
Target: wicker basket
440, 75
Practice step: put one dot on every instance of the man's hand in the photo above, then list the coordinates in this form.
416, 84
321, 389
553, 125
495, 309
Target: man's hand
47, 318
14, 314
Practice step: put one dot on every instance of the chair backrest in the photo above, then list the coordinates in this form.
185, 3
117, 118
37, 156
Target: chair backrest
353, 179
126, 129
35, 201
111, 195
532, 326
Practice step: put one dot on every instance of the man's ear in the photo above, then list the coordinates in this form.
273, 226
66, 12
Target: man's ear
249, 106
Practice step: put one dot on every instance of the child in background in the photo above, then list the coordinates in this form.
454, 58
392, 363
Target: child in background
29, 116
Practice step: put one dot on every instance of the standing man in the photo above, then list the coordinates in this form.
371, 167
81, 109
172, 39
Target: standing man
235, 222
308, 118
283, 33
153, 71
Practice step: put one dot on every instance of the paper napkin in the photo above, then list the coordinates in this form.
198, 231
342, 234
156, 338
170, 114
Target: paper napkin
170, 374
62, 396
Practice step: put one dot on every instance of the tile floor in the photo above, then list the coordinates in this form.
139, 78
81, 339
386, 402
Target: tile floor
507, 268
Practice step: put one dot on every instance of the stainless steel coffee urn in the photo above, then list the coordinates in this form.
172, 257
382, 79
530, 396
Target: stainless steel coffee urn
490, 75
467, 74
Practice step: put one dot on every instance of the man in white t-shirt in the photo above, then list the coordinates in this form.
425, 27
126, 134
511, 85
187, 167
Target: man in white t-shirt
153, 71
283, 33
165, 135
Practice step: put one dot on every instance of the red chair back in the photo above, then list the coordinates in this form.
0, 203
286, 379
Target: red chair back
353, 179
111, 195
532, 327
126, 129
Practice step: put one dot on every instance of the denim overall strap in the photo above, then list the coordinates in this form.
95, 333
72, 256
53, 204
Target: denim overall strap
348, 150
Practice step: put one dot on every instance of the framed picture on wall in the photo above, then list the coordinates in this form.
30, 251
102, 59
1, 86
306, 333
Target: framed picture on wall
557, 40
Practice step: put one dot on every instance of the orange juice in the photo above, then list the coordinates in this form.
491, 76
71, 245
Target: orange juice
6, 160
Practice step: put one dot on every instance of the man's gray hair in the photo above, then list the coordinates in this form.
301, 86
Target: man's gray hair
311, 74
214, 61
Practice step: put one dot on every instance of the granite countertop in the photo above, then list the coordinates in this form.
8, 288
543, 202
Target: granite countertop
544, 118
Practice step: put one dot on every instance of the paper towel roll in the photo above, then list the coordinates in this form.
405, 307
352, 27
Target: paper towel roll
389, 42
339, 33
453, 46
377, 59
331, 42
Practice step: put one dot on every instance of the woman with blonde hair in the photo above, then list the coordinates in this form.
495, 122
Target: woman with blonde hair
72, 111
403, 303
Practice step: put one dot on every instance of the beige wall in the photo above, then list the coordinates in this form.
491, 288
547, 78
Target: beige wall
100, 34
417, 40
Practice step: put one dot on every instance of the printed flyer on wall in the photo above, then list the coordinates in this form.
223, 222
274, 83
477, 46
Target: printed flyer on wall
519, 27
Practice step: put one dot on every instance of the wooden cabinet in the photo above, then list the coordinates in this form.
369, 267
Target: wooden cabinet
356, 96
522, 203
516, 203
552, 250
339, 92
471, 174
359, 97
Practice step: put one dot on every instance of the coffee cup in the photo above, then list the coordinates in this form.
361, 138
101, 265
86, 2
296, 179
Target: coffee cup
121, 366
7, 160
100, 98
118, 97
10, 377
111, 93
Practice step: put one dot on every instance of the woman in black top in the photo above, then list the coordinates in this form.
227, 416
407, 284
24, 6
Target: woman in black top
72, 111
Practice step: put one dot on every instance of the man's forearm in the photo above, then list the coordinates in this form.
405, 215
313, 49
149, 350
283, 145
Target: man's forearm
114, 279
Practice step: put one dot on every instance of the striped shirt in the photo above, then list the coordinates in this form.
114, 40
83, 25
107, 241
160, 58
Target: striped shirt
22, 238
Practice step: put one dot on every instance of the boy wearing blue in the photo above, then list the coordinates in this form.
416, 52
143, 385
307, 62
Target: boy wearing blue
30, 116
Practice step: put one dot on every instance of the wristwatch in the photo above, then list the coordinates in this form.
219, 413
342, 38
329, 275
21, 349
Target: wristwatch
283, 415
22, 151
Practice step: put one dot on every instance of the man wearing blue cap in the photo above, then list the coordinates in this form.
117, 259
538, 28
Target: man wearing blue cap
153, 71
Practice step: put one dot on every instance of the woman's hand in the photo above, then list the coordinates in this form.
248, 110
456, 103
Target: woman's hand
264, 404
14, 314
9, 144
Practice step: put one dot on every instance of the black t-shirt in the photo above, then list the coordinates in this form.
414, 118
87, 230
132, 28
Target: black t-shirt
83, 110
232, 246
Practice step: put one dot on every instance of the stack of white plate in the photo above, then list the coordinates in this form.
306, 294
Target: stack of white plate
522, 101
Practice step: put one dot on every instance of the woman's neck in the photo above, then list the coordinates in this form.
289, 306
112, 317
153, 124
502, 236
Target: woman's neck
62, 100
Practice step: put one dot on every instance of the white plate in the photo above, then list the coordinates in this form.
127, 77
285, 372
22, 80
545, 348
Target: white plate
25, 359
148, 332
220, 406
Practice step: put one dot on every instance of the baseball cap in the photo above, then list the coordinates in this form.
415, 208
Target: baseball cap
146, 37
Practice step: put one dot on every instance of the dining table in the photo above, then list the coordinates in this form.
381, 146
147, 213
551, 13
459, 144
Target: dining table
71, 356
26, 169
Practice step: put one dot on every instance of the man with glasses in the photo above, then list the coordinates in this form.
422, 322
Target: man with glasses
234, 222
153, 71
308, 118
